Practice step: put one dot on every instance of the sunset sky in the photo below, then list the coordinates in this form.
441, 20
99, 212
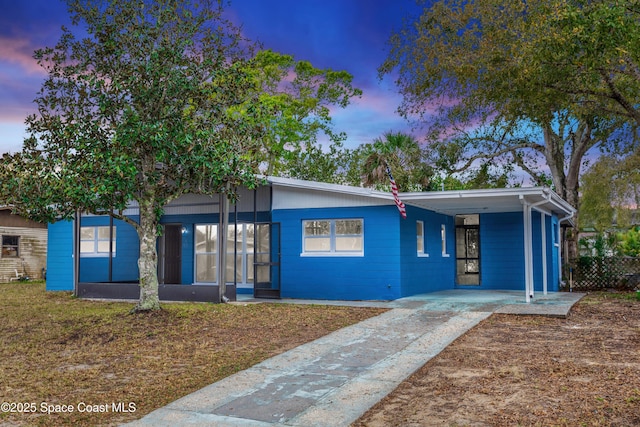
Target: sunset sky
346, 35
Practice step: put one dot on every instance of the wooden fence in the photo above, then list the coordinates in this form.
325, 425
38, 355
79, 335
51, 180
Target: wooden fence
600, 273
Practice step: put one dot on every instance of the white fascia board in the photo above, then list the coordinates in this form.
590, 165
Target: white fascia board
482, 193
531, 194
554, 203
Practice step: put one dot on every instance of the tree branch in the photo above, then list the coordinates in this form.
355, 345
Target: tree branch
619, 98
495, 154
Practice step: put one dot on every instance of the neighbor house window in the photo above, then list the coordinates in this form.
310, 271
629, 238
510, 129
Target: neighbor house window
94, 241
333, 236
420, 239
10, 246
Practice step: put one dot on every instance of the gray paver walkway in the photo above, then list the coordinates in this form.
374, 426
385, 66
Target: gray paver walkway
333, 380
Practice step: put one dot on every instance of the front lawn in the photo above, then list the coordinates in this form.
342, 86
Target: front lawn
94, 363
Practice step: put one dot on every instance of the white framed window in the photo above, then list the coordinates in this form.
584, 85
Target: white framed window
341, 237
443, 237
420, 242
94, 241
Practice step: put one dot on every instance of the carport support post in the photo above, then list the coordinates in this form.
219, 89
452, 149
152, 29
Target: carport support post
222, 246
527, 208
526, 218
76, 251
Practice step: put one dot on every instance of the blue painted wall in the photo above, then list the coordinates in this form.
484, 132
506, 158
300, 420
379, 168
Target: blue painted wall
435, 272
553, 279
536, 231
389, 269
375, 276
553, 249
125, 261
60, 256
501, 251
551, 253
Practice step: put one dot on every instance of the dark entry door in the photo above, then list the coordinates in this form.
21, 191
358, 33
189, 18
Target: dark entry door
468, 249
266, 260
171, 254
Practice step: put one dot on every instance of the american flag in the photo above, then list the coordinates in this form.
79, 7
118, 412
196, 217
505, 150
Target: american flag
394, 190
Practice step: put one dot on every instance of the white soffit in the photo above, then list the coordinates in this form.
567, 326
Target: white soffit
489, 201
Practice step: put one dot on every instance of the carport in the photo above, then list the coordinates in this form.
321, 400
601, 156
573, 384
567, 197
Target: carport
525, 200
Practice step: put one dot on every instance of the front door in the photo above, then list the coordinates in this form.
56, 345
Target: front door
468, 249
170, 248
267, 260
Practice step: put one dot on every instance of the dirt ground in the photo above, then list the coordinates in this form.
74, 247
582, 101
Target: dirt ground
529, 371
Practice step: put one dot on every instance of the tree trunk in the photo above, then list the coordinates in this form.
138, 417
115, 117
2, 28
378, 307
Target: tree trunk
567, 184
148, 260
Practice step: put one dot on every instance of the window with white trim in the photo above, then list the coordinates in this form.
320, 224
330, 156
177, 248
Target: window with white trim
333, 237
443, 236
94, 241
420, 243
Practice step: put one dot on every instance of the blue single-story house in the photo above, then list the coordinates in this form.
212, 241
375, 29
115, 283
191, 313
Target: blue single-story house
299, 239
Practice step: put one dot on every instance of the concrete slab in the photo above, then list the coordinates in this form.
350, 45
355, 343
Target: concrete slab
332, 381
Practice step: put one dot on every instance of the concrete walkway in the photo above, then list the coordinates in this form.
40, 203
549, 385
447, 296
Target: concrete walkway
333, 380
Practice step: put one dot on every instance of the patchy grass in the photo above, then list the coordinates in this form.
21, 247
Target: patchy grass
529, 371
57, 350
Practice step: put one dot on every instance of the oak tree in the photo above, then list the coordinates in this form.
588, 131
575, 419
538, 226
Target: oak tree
159, 99
509, 82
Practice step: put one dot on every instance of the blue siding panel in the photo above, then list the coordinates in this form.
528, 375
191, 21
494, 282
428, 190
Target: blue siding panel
502, 251
551, 254
389, 269
553, 251
536, 231
374, 276
125, 261
60, 256
432, 273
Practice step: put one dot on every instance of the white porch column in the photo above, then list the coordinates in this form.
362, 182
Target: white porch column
222, 247
528, 270
543, 224
528, 243
559, 245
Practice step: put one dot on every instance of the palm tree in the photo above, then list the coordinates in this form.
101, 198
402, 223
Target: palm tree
401, 153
